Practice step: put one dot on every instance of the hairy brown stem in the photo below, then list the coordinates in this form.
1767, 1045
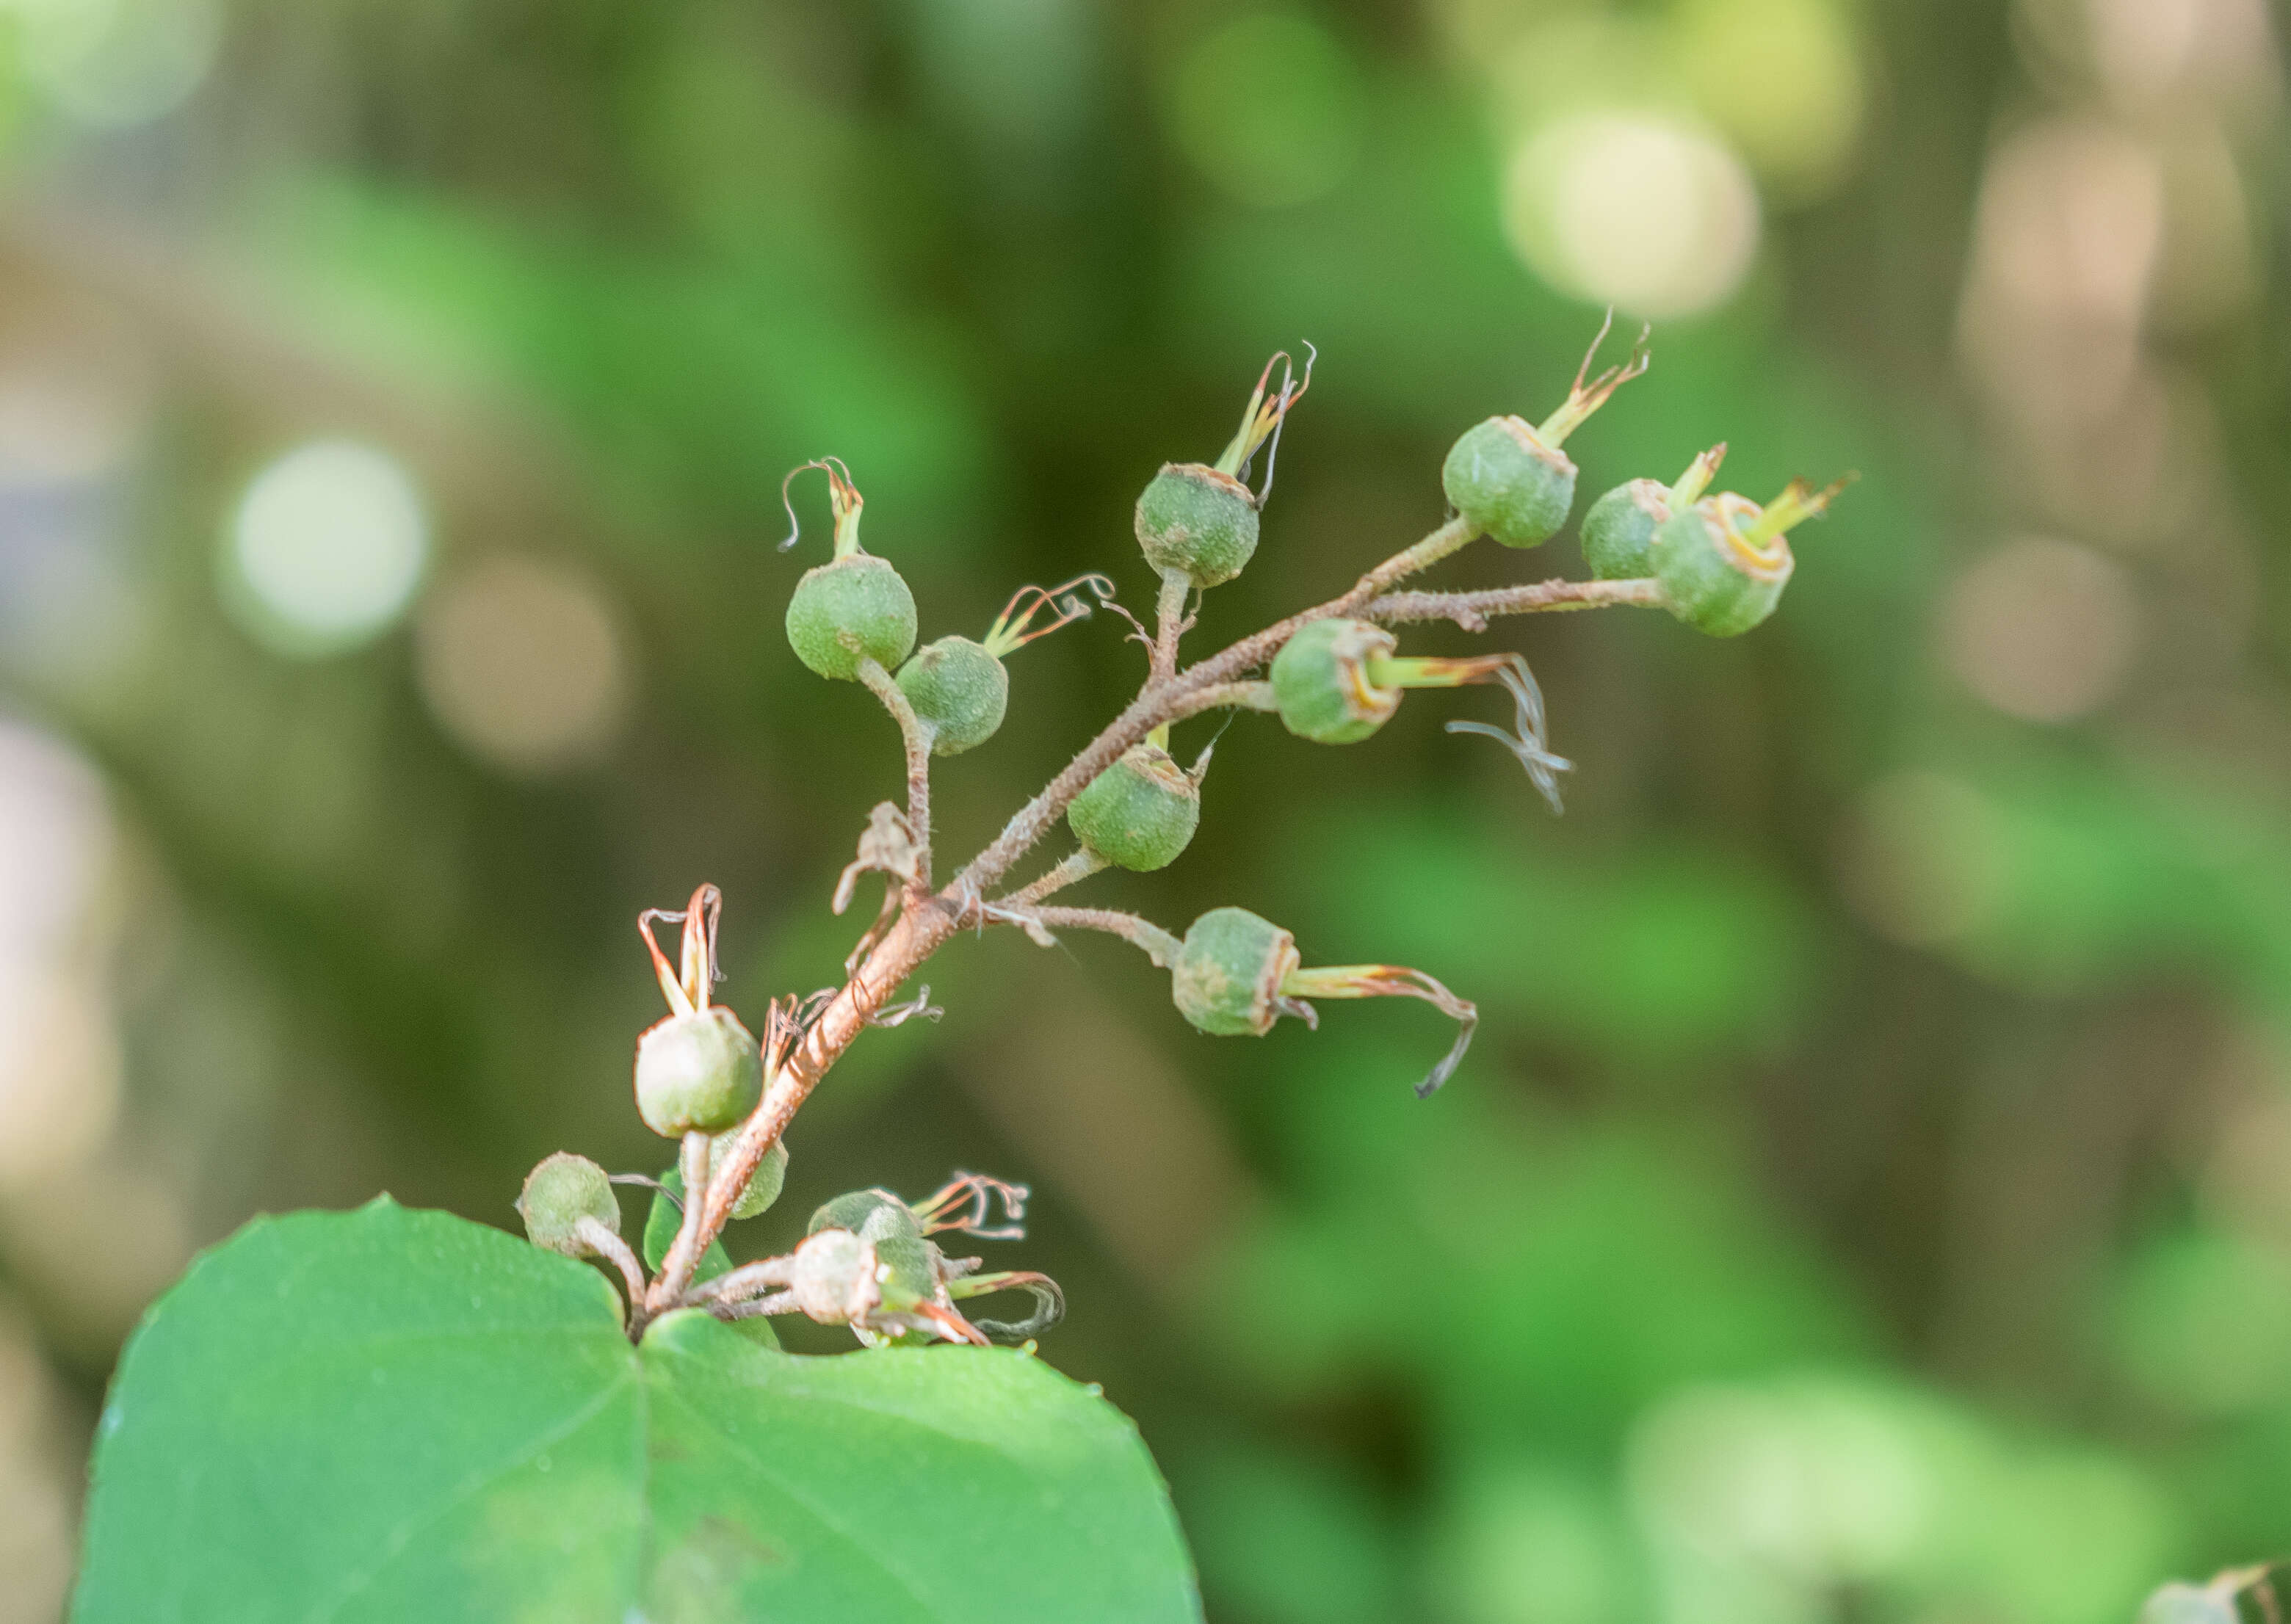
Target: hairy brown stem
1169, 624
609, 1246
1168, 701
917, 738
921, 931
1157, 943
1471, 610
1081, 866
683, 1253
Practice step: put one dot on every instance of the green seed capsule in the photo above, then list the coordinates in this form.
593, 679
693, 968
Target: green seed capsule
1723, 562
833, 1278
1228, 974
959, 690
701, 1073
1138, 814
883, 1221
1619, 530
1507, 479
1197, 522
558, 1194
1319, 679
854, 608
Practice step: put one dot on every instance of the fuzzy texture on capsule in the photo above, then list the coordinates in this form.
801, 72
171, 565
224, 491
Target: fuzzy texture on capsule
558, 1194
1139, 813
1197, 522
959, 690
764, 1185
1320, 679
1619, 530
1714, 578
833, 1277
853, 608
697, 1072
1228, 974
1506, 479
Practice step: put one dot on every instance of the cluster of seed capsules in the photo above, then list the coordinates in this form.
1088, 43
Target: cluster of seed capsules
1717, 562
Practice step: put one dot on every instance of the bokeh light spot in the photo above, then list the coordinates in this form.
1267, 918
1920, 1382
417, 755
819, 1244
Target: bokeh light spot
112, 63
1784, 79
2043, 630
524, 662
1267, 107
329, 542
1633, 210
1923, 860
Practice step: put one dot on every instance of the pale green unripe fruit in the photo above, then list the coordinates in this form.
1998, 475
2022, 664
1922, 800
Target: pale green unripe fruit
1619, 530
1139, 813
959, 690
1713, 576
1197, 522
904, 1273
854, 608
1320, 680
1503, 478
1229, 972
558, 1194
699, 1072
833, 1277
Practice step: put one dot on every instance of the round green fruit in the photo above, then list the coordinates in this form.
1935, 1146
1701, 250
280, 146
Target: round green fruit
1619, 530
1138, 814
959, 691
855, 608
1504, 478
1320, 679
1714, 576
561, 1192
1197, 522
700, 1073
1228, 975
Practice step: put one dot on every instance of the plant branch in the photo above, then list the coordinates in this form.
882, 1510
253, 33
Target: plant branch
1170, 623
685, 1251
918, 741
608, 1245
1157, 943
1175, 699
919, 932
1081, 866
1471, 610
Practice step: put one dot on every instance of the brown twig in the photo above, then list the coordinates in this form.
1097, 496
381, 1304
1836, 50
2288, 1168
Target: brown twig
1471, 610
918, 742
795, 1064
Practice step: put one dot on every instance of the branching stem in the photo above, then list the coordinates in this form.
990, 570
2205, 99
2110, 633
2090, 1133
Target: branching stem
1169, 695
918, 741
1157, 943
1471, 610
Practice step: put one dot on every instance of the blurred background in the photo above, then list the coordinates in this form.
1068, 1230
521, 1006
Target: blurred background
1869, 1198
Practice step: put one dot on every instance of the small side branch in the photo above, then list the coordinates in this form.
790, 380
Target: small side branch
917, 738
1170, 622
1472, 610
684, 1253
1081, 866
1157, 943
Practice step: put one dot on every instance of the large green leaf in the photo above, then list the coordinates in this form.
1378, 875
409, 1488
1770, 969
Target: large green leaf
393, 1415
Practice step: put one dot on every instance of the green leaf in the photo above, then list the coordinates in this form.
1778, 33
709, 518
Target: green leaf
664, 1217
387, 1414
